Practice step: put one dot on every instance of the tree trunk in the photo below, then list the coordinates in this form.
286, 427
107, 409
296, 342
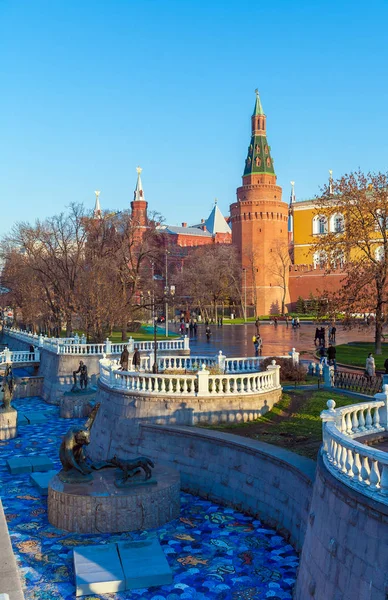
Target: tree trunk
378, 330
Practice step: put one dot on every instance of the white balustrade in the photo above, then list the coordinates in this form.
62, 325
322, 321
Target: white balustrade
359, 466
77, 345
19, 356
201, 383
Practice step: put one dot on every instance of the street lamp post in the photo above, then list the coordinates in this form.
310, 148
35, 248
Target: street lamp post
245, 295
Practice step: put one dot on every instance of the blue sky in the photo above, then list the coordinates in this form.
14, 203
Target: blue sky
91, 89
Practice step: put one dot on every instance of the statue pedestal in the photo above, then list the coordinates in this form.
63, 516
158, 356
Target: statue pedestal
77, 404
99, 506
8, 427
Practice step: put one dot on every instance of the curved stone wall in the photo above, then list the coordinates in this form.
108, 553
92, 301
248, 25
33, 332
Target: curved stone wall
121, 413
252, 476
345, 553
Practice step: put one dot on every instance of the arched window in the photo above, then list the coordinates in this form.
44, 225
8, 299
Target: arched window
319, 225
380, 254
337, 223
320, 260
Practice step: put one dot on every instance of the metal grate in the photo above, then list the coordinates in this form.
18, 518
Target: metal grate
358, 383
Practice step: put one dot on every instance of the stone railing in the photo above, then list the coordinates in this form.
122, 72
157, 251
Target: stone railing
19, 356
362, 467
77, 346
198, 384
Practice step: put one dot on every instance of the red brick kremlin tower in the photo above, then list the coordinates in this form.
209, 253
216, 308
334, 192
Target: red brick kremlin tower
259, 222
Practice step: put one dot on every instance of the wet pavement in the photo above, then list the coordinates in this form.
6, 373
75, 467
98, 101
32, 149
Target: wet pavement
236, 340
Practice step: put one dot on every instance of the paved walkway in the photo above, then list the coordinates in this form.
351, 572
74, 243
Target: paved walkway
236, 340
215, 553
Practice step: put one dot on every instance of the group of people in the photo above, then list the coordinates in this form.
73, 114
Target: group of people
188, 328
320, 335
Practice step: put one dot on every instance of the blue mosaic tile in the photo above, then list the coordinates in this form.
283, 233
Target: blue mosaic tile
215, 553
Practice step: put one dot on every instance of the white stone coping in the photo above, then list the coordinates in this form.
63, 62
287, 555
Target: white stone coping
9, 575
357, 465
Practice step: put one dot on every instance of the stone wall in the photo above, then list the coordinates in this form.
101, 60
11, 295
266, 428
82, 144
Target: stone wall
9, 573
252, 476
122, 412
57, 370
27, 387
345, 553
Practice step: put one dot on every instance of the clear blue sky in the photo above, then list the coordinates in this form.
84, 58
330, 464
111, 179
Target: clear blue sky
90, 89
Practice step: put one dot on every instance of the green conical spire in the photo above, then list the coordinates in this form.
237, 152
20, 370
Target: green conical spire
259, 158
258, 110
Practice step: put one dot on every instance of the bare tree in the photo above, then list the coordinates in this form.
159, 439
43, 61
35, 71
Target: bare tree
279, 266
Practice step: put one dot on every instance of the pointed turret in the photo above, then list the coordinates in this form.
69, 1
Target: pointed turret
138, 204
97, 208
138, 194
215, 223
259, 156
258, 110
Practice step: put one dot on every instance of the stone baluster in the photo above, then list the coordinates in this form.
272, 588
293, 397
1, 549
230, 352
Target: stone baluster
365, 470
348, 423
374, 476
384, 409
357, 467
349, 462
368, 419
384, 480
361, 421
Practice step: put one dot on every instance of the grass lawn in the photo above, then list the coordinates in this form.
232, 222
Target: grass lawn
293, 423
356, 354
142, 335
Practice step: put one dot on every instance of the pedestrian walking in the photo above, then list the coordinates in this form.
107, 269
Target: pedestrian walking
257, 325
317, 336
333, 332
256, 347
124, 358
386, 366
287, 319
136, 360
297, 322
370, 367
208, 333
260, 344
322, 354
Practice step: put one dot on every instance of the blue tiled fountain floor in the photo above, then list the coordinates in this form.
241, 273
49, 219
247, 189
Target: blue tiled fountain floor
214, 552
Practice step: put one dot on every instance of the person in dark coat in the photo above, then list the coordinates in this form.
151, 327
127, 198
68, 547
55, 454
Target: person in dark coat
136, 360
124, 359
386, 366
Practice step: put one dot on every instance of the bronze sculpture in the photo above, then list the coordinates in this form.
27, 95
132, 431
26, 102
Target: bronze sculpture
131, 467
83, 378
8, 384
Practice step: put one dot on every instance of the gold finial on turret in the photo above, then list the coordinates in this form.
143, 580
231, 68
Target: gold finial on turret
139, 170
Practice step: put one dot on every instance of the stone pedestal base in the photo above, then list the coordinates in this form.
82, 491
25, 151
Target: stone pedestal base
8, 428
77, 405
101, 507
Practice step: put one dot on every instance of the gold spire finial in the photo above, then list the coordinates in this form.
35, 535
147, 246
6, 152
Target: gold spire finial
256, 92
97, 192
292, 183
215, 200
138, 170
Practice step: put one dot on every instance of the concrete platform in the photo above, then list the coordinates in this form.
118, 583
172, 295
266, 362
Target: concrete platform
41, 481
19, 465
41, 463
144, 564
98, 570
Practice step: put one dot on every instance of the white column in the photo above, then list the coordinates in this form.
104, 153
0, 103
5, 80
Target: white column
221, 358
108, 346
384, 409
328, 375
327, 416
276, 368
186, 343
203, 381
131, 345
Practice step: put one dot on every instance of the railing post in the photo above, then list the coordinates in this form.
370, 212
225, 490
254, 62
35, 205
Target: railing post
384, 410
203, 381
294, 356
76, 338
37, 355
131, 345
328, 375
58, 347
83, 339
327, 416
108, 346
41, 341
186, 343
7, 353
276, 368
221, 359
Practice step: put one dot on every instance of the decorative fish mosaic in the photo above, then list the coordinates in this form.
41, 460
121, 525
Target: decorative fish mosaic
215, 553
